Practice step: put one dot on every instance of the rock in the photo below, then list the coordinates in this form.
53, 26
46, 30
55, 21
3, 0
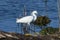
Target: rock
18, 36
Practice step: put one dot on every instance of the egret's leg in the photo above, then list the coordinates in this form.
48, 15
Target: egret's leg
21, 27
29, 28
25, 29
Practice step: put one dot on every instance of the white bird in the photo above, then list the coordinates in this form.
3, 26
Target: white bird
28, 19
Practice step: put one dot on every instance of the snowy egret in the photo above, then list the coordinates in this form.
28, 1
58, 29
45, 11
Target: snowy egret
28, 19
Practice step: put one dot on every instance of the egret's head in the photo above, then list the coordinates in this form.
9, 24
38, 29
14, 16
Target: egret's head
34, 12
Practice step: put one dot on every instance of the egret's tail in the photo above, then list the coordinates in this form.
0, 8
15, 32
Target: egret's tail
17, 20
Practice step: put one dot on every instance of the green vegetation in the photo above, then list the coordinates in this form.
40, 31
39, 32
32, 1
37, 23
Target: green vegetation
42, 21
48, 30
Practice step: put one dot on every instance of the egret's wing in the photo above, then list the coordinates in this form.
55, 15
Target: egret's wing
25, 19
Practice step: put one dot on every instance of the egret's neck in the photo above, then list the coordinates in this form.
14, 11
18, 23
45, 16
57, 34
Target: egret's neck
34, 16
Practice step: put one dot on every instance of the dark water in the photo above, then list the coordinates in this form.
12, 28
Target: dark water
11, 9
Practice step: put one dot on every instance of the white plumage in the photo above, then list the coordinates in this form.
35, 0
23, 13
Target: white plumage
28, 19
